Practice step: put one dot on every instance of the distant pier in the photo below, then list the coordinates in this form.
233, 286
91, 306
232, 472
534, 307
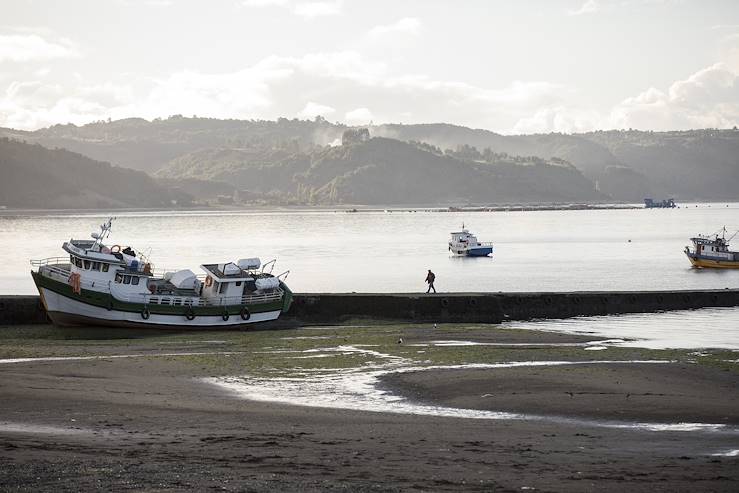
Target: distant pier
336, 308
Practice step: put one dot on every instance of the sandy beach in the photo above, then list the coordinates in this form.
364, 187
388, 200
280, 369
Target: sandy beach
88, 410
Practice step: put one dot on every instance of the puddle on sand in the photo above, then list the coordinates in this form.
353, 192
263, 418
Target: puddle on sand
42, 359
681, 329
9, 427
727, 453
360, 390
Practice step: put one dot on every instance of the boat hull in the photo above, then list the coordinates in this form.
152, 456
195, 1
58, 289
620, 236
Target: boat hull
93, 308
707, 263
480, 252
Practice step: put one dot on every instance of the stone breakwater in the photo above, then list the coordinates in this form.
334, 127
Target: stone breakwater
332, 308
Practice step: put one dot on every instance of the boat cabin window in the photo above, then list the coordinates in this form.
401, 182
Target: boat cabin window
135, 280
119, 278
126, 279
78, 262
96, 266
105, 267
222, 288
238, 283
87, 264
71, 259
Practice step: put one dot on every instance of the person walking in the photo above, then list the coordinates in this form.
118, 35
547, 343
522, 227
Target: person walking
430, 278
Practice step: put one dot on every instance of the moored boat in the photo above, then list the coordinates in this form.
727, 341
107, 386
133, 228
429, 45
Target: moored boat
465, 244
712, 251
113, 286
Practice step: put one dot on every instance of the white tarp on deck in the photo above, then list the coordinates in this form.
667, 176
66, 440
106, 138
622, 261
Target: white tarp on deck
267, 283
184, 279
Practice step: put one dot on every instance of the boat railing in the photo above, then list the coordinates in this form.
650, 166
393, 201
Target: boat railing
50, 261
195, 301
54, 271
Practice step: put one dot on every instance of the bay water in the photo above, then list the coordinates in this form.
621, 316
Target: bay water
390, 251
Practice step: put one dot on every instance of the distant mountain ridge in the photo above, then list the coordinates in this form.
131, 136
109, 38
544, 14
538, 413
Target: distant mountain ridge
36, 177
278, 156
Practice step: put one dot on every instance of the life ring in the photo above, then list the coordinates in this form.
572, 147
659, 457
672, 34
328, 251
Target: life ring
115, 249
245, 315
145, 313
225, 316
208, 282
189, 313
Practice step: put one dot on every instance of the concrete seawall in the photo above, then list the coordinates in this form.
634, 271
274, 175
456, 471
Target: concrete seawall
334, 308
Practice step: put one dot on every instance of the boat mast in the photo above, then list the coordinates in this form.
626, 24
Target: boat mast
104, 231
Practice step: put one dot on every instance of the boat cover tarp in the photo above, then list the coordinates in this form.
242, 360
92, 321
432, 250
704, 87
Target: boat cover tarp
249, 263
267, 283
184, 279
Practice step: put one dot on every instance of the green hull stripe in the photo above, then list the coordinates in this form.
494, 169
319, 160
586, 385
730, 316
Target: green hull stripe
105, 300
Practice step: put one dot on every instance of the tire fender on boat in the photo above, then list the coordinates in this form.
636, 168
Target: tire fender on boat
245, 315
189, 313
145, 313
225, 316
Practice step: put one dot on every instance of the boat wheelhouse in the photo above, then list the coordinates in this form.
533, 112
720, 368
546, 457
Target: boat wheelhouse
712, 251
465, 244
113, 286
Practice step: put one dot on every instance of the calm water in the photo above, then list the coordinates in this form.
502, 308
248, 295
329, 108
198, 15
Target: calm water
391, 251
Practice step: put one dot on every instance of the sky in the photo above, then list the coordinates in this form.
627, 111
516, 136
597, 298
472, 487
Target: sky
508, 66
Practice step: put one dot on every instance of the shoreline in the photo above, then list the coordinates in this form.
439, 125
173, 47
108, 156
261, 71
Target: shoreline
349, 208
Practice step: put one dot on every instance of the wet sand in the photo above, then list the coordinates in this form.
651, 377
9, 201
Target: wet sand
151, 423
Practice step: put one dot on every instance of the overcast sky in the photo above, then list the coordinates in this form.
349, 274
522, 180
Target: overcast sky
507, 66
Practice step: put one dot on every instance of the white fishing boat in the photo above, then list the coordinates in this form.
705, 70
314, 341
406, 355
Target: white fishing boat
465, 244
113, 286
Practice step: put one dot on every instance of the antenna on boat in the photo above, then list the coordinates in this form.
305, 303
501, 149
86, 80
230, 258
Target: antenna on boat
104, 231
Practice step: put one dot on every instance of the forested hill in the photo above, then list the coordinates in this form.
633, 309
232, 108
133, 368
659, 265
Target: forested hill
628, 165
36, 177
386, 171
624, 165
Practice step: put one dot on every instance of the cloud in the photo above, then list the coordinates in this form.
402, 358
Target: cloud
33, 47
708, 98
358, 116
407, 25
344, 82
312, 110
589, 7
305, 9
264, 3
559, 118
318, 9
357, 89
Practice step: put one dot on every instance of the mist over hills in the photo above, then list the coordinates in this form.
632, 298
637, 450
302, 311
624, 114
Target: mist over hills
304, 162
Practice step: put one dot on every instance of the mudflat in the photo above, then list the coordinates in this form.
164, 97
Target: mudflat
113, 410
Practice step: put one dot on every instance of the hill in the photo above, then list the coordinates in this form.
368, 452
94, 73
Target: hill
36, 177
624, 165
384, 171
